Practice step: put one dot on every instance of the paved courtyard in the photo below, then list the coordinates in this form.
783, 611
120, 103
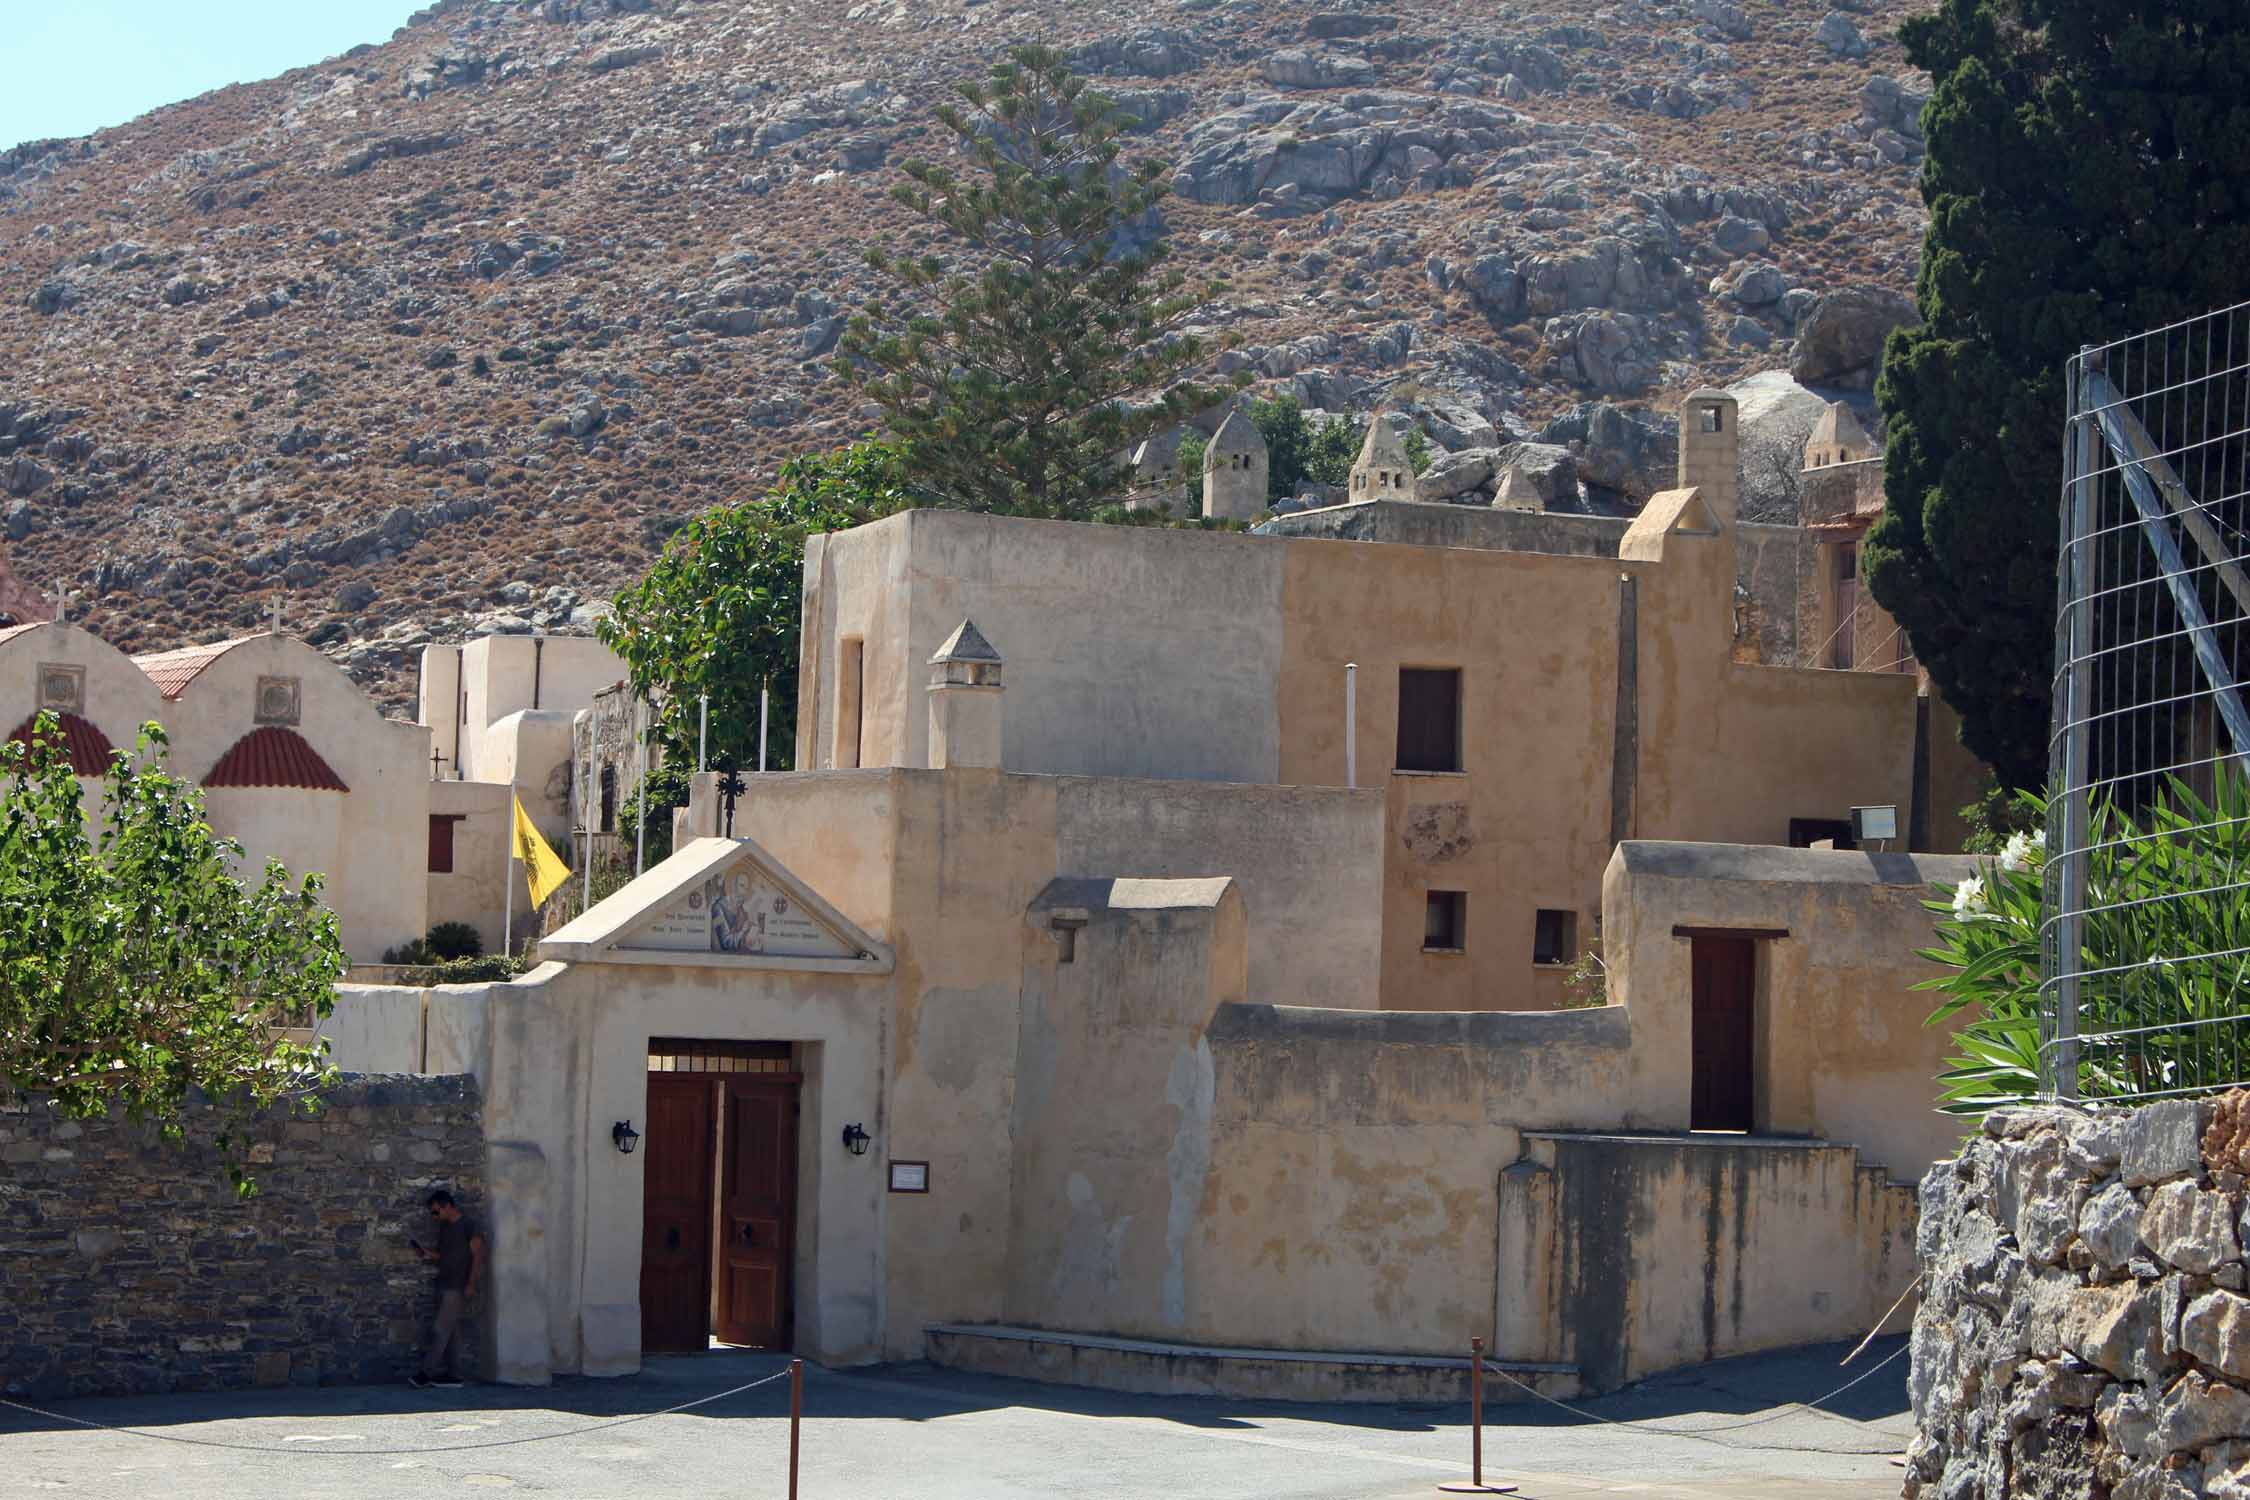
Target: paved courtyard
944, 1436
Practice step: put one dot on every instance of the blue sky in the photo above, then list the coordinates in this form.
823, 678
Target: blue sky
74, 66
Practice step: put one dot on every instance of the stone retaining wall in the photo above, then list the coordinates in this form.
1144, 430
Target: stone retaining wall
2082, 1332
130, 1265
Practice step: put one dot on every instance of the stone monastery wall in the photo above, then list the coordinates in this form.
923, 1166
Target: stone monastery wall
130, 1265
2082, 1331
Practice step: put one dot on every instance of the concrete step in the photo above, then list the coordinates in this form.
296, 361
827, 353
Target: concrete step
1149, 1367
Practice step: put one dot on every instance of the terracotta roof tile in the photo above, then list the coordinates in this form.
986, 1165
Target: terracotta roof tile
274, 756
172, 671
89, 748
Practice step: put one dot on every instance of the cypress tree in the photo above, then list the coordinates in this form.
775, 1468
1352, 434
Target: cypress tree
2088, 178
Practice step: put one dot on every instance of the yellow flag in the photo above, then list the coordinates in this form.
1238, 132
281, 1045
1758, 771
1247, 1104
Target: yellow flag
541, 869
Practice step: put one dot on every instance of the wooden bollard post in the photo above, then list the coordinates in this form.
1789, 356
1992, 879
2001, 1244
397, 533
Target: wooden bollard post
1476, 1484
796, 1413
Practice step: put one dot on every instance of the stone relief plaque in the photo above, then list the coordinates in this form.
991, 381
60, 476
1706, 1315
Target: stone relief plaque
740, 911
278, 700
62, 688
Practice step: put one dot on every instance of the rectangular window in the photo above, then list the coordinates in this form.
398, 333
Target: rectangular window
1429, 719
1554, 937
1445, 922
441, 842
1805, 832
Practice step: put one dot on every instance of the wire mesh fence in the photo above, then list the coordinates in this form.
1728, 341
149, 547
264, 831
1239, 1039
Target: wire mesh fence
2145, 936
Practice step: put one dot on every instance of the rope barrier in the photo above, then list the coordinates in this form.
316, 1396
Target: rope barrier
1702, 1434
543, 1437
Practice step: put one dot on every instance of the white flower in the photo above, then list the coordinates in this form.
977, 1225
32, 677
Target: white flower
1968, 899
2024, 851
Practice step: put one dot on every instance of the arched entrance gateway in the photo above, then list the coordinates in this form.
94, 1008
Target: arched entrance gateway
734, 1032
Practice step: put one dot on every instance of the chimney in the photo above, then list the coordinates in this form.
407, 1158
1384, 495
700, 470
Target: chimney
965, 701
1711, 452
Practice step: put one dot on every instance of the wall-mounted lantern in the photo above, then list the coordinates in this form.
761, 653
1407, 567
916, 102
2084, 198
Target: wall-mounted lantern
856, 1139
625, 1136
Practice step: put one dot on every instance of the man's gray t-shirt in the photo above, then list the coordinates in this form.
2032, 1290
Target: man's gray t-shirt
453, 1254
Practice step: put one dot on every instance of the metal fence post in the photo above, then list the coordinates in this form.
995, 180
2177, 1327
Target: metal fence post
2076, 580
796, 1413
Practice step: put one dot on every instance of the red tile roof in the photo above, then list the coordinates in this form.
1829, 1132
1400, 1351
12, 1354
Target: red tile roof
89, 748
172, 671
274, 756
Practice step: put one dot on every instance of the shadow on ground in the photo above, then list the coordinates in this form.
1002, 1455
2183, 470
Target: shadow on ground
1737, 1388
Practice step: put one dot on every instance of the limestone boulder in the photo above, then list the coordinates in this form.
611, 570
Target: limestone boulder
1452, 476
1739, 236
2189, 1228
1633, 453
1496, 286
1753, 286
2109, 1226
1311, 68
2215, 1329
1840, 341
1894, 104
1722, 16
1148, 52
2198, 1412
1840, 35
1549, 470
1775, 417
2161, 1141
1605, 351
1452, 423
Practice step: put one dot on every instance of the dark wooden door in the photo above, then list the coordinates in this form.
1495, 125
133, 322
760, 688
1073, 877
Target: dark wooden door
757, 1212
1724, 994
676, 1214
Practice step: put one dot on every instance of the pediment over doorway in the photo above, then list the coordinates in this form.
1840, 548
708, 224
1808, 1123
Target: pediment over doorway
719, 903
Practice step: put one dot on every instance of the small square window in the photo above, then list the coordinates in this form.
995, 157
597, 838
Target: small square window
1445, 922
1429, 719
1714, 419
1554, 937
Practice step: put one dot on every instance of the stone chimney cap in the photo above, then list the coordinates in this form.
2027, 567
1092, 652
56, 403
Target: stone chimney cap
966, 644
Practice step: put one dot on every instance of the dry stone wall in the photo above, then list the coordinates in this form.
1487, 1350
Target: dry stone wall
2084, 1331
129, 1264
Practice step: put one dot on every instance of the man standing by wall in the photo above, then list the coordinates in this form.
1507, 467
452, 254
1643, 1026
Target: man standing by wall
459, 1258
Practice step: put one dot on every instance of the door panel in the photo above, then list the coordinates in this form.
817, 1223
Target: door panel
758, 1196
1724, 994
676, 1214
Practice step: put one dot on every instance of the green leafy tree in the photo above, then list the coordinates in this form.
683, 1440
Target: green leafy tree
134, 965
1016, 374
718, 612
1281, 422
2088, 177
1333, 450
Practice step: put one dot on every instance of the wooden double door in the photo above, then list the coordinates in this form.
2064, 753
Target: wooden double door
718, 1215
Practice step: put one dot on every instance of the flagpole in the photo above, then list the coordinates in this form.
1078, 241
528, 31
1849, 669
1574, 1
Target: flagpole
586, 814
640, 796
508, 879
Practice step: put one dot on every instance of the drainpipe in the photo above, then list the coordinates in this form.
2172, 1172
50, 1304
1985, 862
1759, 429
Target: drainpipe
1351, 723
538, 653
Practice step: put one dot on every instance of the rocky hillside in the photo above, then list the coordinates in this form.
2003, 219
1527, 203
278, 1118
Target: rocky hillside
448, 333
